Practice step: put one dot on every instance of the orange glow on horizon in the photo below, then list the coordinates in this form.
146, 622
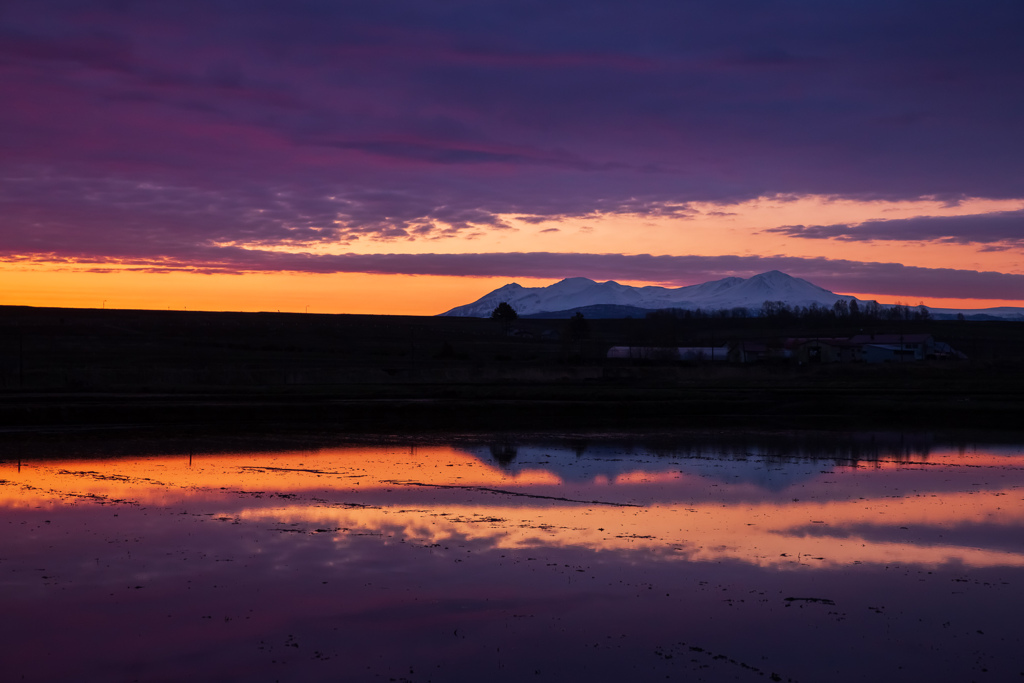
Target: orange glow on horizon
342, 293
699, 229
352, 293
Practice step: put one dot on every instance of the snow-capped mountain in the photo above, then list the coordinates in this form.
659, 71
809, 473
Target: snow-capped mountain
576, 292
732, 292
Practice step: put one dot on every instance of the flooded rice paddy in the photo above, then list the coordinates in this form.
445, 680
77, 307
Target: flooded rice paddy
559, 558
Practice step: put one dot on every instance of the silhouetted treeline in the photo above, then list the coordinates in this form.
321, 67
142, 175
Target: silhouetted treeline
843, 310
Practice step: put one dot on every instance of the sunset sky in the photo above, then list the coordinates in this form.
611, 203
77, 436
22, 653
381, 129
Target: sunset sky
409, 157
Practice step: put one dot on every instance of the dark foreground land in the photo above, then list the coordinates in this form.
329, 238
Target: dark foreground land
87, 367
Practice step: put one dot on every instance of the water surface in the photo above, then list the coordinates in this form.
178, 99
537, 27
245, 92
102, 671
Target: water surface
582, 557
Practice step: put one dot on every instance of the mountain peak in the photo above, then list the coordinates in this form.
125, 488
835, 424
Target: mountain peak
575, 293
575, 281
773, 275
580, 292
775, 278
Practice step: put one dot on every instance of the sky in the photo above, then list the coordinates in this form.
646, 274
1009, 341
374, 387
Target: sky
337, 156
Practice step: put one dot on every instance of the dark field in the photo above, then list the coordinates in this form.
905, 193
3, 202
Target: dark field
109, 367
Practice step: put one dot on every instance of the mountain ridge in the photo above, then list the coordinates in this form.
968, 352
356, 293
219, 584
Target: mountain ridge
567, 296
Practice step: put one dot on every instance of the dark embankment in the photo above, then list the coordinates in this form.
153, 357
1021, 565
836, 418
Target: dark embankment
75, 367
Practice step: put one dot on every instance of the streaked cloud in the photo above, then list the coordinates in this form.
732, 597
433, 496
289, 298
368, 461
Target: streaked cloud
1005, 227
171, 135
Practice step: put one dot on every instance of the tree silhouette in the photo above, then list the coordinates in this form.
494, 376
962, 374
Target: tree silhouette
579, 328
504, 453
504, 312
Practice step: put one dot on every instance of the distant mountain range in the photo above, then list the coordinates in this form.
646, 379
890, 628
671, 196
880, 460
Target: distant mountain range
612, 300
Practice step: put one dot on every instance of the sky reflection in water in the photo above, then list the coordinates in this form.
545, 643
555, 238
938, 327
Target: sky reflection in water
697, 558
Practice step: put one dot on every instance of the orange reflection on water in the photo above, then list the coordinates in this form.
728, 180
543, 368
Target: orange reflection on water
766, 535
892, 512
162, 480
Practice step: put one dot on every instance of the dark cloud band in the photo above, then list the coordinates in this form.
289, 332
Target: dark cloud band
163, 135
997, 227
487, 107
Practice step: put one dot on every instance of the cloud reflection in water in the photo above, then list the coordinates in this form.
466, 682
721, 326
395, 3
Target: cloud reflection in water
227, 556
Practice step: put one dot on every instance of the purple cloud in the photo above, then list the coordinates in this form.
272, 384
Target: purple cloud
150, 131
1006, 227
